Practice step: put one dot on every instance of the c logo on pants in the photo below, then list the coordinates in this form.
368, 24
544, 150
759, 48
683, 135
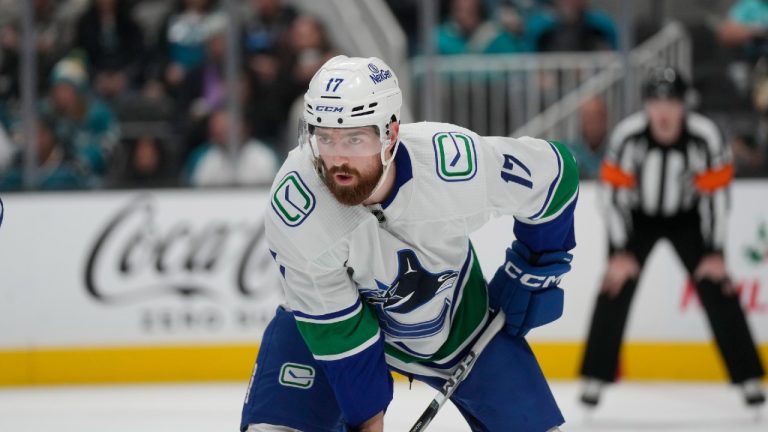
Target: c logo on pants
297, 375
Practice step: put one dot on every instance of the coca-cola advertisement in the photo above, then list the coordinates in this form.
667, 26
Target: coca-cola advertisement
129, 268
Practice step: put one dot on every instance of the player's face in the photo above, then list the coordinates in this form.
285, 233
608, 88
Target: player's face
352, 162
666, 119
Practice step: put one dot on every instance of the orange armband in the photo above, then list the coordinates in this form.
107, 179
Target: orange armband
714, 179
615, 176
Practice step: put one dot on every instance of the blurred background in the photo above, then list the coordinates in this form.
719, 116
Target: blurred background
138, 140
134, 93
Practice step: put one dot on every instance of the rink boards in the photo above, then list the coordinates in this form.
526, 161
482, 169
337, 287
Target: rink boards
177, 285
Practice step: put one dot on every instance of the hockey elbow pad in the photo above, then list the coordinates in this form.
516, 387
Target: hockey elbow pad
527, 292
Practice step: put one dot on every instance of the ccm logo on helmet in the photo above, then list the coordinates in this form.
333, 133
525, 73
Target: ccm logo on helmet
326, 108
378, 75
530, 280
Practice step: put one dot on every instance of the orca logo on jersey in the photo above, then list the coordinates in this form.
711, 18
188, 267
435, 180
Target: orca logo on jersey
413, 287
455, 156
297, 375
292, 199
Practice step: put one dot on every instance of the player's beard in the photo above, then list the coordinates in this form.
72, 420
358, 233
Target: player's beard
357, 193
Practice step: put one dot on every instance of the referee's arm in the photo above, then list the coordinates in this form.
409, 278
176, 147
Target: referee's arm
713, 185
617, 178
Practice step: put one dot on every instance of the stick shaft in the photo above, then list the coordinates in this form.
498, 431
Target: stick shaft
461, 372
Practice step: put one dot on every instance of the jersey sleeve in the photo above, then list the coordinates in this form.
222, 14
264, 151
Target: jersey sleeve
340, 330
713, 185
537, 182
618, 181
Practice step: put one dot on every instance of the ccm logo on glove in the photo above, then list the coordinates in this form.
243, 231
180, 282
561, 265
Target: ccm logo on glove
531, 280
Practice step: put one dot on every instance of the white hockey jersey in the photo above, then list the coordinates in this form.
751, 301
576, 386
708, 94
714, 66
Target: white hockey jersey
404, 270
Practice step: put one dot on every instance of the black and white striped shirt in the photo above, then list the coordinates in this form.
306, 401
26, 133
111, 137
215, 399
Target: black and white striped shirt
642, 176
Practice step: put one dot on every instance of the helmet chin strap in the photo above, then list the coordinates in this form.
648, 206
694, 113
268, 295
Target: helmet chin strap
386, 164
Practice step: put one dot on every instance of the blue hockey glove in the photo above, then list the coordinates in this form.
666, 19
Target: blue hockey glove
525, 288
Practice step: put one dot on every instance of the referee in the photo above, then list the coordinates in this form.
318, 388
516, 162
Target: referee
666, 174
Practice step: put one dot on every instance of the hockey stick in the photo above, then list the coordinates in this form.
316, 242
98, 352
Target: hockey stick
461, 372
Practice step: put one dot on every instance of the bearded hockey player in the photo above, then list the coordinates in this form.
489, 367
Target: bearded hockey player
369, 223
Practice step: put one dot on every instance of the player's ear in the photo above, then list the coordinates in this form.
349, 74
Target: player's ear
394, 131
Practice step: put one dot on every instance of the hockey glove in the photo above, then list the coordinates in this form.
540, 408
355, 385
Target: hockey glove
525, 288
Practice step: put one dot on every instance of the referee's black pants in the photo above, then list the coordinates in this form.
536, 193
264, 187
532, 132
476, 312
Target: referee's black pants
724, 312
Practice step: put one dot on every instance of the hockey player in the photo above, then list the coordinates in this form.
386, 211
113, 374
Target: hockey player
666, 174
369, 223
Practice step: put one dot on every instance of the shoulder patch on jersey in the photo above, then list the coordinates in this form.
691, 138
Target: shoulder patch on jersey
455, 156
292, 199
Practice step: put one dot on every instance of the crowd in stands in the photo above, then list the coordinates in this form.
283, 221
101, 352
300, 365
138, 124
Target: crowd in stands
730, 83
745, 30
133, 93
510, 26
516, 27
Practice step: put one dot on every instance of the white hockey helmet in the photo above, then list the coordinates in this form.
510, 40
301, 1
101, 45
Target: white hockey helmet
350, 92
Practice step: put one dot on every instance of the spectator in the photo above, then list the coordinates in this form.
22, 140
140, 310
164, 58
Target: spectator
113, 44
468, 31
265, 34
747, 26
572, 26
204, 87
750, 154
590, 147
407, 14
512, 36
746, 29
181, 45
307, 47
147, 164
214, 164
83, 124
750, 149
54, 169
54, 26
267, 30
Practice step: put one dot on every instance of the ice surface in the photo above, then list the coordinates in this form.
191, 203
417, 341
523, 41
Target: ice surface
636, 407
